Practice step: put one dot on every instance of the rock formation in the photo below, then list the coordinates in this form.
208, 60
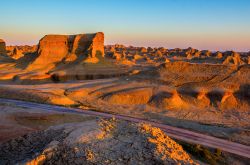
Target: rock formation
54, 49
3, 54
143, 50
2, 47
234, 59
17, 52
203, 100
206, 53
168, 101
228, 101
218, 55
105, 142
158, 53
117, 56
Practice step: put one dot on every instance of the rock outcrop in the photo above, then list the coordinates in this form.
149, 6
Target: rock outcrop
2, 47
168, 101
234, 59
4, 58
54, 49
106, 142
17, 52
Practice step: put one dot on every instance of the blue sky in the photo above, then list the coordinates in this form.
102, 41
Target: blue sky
203, 24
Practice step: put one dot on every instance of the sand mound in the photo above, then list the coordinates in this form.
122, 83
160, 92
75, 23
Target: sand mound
111, 142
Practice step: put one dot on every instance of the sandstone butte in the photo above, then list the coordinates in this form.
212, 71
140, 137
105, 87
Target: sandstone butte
2, 47
54, 49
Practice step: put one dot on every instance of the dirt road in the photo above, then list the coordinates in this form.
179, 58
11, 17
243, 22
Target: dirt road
177, 133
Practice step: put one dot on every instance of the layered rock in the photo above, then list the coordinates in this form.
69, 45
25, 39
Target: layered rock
2, 47
54, 49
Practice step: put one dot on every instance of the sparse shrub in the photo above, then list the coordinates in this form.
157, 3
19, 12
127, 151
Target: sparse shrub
210, 156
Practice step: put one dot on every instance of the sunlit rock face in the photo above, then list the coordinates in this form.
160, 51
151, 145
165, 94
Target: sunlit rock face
2, 47
53, 49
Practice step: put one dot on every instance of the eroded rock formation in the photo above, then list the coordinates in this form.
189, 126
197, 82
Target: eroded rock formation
2, 47
17, 52
233, 58
53, 49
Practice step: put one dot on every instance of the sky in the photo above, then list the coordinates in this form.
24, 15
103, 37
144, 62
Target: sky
201, 24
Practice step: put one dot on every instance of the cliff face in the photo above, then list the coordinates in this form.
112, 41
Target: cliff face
98, 46
2, 47
53, 49
91, 44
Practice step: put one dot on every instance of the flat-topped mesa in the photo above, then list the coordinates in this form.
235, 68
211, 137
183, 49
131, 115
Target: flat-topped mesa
53, 49
2, 47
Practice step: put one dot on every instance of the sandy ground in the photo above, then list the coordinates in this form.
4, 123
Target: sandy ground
45, 136
203, 91
208, 94
17, 121
136, 96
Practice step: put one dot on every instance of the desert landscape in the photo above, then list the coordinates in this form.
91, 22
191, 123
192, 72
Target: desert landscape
201, 91
125, 88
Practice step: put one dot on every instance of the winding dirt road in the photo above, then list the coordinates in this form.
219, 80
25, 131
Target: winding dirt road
177, 133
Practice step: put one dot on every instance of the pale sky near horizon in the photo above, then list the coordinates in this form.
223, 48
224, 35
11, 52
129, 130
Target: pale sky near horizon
202, 24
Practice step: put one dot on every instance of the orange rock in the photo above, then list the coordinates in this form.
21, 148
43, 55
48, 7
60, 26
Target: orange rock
228, 101
2, 47
158, 53
53, 49
117, 56
169, 101
234, 59
143, 50
218, 55
138, 57
17, 52
203, 100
